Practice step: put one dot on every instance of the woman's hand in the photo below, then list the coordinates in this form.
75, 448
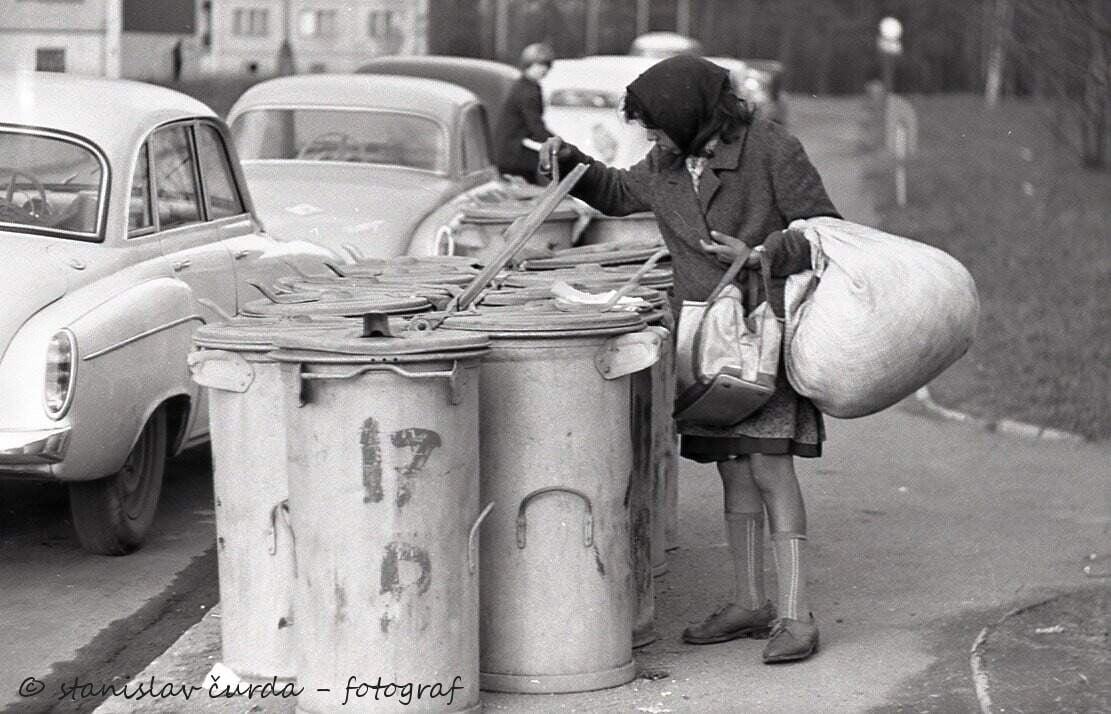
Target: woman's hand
726, 248
551, 147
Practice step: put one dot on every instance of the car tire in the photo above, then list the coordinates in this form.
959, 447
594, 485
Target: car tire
112, 515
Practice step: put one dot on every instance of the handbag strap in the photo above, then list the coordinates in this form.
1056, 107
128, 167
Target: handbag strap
735, 268
731, 273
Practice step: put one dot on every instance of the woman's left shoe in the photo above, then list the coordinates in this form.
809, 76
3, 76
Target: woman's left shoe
791, 640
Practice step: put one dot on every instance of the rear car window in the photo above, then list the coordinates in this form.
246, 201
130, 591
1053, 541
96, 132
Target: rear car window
343, 135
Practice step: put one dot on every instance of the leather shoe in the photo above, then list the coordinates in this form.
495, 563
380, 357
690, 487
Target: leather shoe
732, 622
791, 640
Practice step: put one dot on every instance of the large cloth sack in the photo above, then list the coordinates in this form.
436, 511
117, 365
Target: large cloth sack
878, 317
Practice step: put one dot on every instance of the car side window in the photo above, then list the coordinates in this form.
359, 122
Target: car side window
219, 181
475, 155
175, 177
140, 218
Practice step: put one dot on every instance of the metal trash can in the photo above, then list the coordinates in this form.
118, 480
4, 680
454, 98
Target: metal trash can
254, 549
609, 229
382, 444
479, 230
557, 590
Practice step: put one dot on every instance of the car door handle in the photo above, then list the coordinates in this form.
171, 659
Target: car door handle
181, 265
245, 253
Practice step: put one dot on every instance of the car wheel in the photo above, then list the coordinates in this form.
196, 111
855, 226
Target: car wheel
112, 515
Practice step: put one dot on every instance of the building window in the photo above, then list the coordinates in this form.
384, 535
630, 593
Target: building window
250, 22
318, 23
50, 59
379, 24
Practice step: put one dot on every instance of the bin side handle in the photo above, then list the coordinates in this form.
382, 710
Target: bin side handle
281, 508
226, 371
472, 542
588, 517
452, 377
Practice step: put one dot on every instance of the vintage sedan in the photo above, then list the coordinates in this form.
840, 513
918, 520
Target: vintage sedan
125, 223
364, 164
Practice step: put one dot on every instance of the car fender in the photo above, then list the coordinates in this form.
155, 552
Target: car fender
424, 239
131, 359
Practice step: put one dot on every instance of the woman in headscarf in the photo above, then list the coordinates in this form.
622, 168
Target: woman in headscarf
721, 182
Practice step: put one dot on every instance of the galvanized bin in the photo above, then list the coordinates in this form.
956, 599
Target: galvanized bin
254, 547
557, 588
384, 502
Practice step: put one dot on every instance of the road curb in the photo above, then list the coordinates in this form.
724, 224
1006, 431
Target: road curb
1010, 427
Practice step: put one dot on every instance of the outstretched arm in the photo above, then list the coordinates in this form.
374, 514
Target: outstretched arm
614, 192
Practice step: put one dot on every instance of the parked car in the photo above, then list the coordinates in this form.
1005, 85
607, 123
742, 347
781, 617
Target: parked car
658, 45
367, 164
760, 83
489, 80
124, 224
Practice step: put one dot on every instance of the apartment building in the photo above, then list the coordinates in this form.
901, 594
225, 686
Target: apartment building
80, 36
244, 36
137, 39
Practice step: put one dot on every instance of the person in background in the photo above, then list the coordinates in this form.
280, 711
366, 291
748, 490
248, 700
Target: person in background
520, 129
720, 183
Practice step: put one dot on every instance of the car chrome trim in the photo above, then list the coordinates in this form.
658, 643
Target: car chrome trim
141, 335
46, 446
102, 212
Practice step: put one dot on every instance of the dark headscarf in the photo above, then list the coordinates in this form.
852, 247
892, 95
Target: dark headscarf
681, 96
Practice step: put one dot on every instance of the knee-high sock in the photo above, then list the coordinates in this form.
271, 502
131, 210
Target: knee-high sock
746, 543
790, 574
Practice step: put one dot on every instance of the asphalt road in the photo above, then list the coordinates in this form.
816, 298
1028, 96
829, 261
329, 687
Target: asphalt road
65, 613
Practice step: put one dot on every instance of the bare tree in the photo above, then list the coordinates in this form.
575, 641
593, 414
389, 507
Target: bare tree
1066, 45
999, 28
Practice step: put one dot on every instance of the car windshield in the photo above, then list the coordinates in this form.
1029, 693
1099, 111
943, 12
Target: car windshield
358, 136
49, 184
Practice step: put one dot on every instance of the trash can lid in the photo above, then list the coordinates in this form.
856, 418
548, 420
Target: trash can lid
589, 276
509, 211
349, 345
544, 320
256, 334
613, 253
521, 296
399, 276
367, 286
351, 305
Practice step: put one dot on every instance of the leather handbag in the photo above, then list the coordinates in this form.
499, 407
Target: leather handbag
726, 361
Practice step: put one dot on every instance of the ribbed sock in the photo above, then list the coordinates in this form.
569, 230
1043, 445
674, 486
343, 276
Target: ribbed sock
746, 542
787, 549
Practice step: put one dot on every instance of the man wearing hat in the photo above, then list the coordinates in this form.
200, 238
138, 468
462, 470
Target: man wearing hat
520, 129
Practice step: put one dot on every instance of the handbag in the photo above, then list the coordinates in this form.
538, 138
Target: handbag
726, 361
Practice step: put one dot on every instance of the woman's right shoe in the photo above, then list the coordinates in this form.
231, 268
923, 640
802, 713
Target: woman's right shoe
732, 622
791, 640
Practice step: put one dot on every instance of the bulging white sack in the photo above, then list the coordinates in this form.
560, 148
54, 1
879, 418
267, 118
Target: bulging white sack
886, 315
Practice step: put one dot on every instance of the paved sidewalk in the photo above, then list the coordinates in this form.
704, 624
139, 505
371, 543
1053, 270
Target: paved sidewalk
922, 533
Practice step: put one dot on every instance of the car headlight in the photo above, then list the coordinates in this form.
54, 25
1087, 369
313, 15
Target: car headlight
61, 361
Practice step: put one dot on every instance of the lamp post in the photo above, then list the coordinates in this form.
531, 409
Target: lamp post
890, 45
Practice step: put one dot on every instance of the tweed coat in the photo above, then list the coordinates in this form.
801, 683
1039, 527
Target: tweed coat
751, 187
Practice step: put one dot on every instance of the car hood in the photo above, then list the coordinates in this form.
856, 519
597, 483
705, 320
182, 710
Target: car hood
374, 208
32, 275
